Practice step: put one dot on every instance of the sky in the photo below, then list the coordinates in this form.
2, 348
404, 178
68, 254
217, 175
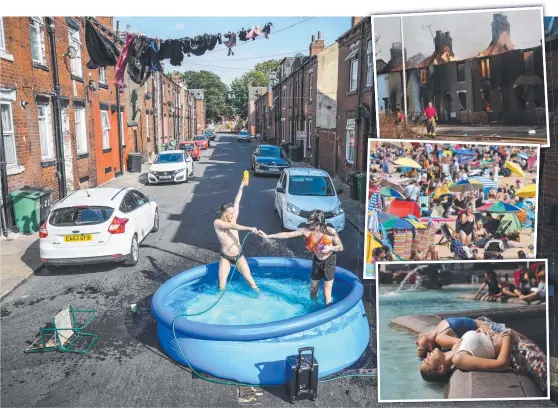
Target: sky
471, 32
287, 42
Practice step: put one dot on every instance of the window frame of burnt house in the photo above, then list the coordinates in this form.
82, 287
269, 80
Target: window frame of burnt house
529, 62
485, 68
423, 76
460, 72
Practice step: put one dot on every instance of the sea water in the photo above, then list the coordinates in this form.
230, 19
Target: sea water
398, 362
282, 296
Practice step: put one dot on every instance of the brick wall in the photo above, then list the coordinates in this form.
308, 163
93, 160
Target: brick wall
547, 237
30, 79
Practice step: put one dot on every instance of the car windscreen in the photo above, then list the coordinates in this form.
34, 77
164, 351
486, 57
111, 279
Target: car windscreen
187, 147
169, 158
270, 151
310, 186
243, 133
80, 216
200, 138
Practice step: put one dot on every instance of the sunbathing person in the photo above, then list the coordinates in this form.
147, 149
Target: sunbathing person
477, 351
447, 333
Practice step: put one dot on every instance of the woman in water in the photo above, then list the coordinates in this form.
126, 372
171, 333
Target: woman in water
478, 351
323, 242
490, 280
447, 333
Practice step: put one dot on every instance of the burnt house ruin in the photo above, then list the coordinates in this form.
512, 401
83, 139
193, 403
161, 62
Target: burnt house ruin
501, 84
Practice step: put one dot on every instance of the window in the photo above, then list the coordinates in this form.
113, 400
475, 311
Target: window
423, 76
105, 124
529, 62
38, 40
122, 129
140, 198
369, 63
8, 133
129, 203
485, 68
309, 133
462, 100
103, 75
81, 135
2, 37
310, 87
75, 43
350, 141
45, 132
460, 72
353, 80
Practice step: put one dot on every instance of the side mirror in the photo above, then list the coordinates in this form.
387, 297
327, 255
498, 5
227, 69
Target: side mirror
339, 191
280, 189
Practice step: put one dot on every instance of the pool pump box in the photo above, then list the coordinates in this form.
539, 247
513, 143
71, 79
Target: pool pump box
302, 375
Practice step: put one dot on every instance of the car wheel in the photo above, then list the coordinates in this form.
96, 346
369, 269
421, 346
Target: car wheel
155, 222
134, 252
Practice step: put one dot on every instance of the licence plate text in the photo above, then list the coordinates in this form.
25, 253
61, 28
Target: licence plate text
78, 237
165, 177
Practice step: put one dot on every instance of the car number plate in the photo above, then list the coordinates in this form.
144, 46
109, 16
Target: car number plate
165, 177
78, 237
274, 169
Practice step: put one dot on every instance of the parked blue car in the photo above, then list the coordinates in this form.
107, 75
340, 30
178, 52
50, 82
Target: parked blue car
269, 159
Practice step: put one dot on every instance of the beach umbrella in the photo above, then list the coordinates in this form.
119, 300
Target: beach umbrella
416, 224
390, 192
393, 183
407, 162
486, 164
527, 191
525, 206
523, 156
515, 168
501, 207
391, 221
466, 186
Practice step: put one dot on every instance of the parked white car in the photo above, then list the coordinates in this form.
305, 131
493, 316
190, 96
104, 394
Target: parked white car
171, 166
98, 225
299, 191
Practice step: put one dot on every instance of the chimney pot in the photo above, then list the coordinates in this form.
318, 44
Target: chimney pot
319, 35
313, 38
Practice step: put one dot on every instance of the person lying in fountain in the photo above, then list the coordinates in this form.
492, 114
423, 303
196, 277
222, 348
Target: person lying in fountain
227, 230
478, 351
447, 333
323, 242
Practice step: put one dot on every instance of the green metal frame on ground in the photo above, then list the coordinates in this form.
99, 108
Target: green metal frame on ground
62, 338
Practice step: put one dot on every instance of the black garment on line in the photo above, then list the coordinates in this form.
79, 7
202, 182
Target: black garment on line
103, 52
139, 60
242, 35
199, 44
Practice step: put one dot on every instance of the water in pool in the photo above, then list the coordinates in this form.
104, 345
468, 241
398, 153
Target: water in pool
399, 375
284, 294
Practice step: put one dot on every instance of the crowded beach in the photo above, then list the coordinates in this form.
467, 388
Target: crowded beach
437, 201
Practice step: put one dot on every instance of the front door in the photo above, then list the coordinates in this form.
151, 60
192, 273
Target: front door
68, 157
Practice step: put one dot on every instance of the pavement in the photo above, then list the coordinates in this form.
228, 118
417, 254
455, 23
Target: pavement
127, 355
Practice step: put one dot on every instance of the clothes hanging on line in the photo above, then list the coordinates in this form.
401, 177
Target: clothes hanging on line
102, 51
253, 33
267, 30
123, 61
242, 35
139, 60
230, 42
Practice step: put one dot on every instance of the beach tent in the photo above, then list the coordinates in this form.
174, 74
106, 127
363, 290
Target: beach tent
404, 208
514, 224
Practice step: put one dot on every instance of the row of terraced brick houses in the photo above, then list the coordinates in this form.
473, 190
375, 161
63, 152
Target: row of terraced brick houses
321, 108
77, 135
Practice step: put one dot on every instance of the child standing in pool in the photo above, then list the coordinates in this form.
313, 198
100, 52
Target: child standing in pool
323, 242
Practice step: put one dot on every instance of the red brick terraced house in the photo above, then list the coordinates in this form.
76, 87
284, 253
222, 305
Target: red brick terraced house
58, 146
355, 98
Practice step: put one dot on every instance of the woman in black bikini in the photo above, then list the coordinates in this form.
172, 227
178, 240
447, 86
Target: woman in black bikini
490, 280
467, 226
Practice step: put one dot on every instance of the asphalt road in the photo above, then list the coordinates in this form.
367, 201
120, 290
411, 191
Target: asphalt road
126, 367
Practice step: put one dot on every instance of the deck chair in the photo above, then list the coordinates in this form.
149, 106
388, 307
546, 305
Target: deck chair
447, 234
64, 333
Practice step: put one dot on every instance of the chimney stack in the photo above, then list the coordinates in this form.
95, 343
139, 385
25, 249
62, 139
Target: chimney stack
442, 40
355, 21
317, 46
396, 53
500, 24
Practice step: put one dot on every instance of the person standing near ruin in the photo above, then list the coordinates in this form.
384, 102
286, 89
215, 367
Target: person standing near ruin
431, 116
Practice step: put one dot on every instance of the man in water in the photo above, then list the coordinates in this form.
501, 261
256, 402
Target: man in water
323, 242
227, 230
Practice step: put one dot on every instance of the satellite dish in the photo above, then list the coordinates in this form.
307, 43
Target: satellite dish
71, 52
92, 85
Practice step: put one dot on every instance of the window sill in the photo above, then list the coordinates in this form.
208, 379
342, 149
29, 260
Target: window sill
77, 78
107, 150
15, 170
6, 56
82, 155
48, 163
103, 85
368, 88
40, 66
349, 163
351, 92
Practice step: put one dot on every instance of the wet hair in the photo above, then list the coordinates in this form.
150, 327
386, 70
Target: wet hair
225, 206
521, 254
432, 375
316, 222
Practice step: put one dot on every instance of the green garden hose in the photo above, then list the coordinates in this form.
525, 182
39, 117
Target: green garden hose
232, 383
